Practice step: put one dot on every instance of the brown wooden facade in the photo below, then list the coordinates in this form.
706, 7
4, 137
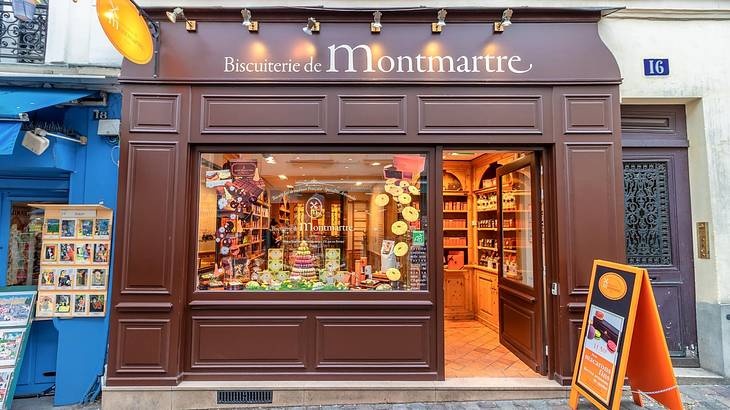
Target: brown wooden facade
164, 331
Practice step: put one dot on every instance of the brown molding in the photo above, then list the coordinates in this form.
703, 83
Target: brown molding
143, 306
292, 303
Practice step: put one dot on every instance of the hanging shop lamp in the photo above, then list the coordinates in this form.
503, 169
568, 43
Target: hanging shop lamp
438, 26
178, 13
376, 26
311, 27
252, 26
499, 26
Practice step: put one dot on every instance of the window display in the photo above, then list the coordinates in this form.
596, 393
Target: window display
312, 222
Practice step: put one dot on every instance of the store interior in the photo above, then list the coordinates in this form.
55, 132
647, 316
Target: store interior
357, 222
477, 244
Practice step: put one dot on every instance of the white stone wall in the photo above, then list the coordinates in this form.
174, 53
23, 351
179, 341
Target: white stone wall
75, 36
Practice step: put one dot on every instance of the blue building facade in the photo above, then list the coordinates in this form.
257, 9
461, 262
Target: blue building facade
65, 355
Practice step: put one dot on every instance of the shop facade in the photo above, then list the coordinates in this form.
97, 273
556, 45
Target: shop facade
404, 92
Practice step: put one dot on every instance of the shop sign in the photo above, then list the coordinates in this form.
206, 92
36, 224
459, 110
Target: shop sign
359, 58
656, 67
622, 337
126, 29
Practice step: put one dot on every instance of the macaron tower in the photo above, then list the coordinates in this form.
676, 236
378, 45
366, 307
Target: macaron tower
303, 266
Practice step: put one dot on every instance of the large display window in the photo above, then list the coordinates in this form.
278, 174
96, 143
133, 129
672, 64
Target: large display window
312, 222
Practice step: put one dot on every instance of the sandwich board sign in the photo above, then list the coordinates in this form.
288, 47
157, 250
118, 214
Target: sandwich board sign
622, 337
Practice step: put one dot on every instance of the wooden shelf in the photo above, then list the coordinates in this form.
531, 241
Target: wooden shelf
456, 247
456, 210
485, 269
487, 229
456, 229
453, 193
487, 210
486, 248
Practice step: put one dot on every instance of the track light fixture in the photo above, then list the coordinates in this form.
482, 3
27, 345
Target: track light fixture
252, 26
438, 26
375, 26
177, 13
311, 27
499, 26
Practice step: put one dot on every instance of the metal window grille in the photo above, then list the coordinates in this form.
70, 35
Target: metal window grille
23, 41
245, 396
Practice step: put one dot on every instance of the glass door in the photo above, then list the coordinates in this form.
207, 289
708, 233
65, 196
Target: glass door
520, 281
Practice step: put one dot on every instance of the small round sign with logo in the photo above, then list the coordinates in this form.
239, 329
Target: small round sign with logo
612, 286
126, 29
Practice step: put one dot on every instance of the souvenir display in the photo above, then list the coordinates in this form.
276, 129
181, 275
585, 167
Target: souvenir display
16, 309
6, 379
293, 231
75, 261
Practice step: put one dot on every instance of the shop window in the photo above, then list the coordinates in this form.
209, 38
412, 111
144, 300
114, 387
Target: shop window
312, 222
24, 245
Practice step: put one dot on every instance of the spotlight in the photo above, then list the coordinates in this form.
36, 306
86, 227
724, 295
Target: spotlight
499, 26
178, 13
438, 26
35, 143
311, 27
375, 26
252, 26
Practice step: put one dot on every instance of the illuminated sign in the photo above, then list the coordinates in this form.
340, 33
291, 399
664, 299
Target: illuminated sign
360, 58
126, 29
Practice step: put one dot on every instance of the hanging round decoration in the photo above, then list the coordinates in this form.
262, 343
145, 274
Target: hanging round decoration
126, 29
382, 199
410, 214
400, 249
413, 190
396, 190
399, 227
404, 184
389, 188
393, 274
404, 198
390, 181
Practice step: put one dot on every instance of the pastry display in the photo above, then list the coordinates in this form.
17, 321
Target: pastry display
303, 265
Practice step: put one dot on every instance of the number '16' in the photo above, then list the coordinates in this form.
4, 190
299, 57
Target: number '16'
657, 67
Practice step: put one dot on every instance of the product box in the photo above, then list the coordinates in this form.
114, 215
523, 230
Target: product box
455, 260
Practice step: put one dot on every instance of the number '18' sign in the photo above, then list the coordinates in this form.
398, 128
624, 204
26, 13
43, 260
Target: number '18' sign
656, 66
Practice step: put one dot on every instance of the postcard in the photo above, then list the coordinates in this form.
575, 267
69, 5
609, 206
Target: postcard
50, 252
81, 279
85, 228
68, 228
102, 229
63, 305
66, 252
45, 305
98, 278
63, 278
47, 279
52, 228
83, 253
15, 308
81, 305
6, 378
11, 340
97, 304
101, 253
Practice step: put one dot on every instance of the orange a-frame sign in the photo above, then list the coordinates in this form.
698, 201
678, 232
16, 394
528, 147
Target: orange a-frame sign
622, 337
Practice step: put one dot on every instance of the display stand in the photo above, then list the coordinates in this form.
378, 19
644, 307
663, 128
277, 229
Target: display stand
14, 320
75, 257
622, 336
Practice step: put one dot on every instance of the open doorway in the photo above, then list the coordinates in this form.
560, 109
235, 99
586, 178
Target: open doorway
492, 264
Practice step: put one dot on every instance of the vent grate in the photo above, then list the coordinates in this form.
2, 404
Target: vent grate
245, 396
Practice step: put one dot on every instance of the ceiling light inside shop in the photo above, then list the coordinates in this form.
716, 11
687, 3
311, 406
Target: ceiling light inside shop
358, 183
282, 177
499, 26
311, 27
375, 164
376, 26
438, 26
176, 14
252, 26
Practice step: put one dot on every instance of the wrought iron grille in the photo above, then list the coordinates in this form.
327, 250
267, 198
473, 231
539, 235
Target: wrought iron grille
646, 198
23, 41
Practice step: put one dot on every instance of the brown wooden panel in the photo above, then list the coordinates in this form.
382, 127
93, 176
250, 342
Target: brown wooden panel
372, 114
516, 323
480, 114
272, 114
575, 327
369, 341
588, 114
142, 345
249, 341
147, 261
155, 113
591, 192
653, 126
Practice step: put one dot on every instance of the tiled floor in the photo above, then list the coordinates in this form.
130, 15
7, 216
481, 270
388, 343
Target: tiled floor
473, 350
